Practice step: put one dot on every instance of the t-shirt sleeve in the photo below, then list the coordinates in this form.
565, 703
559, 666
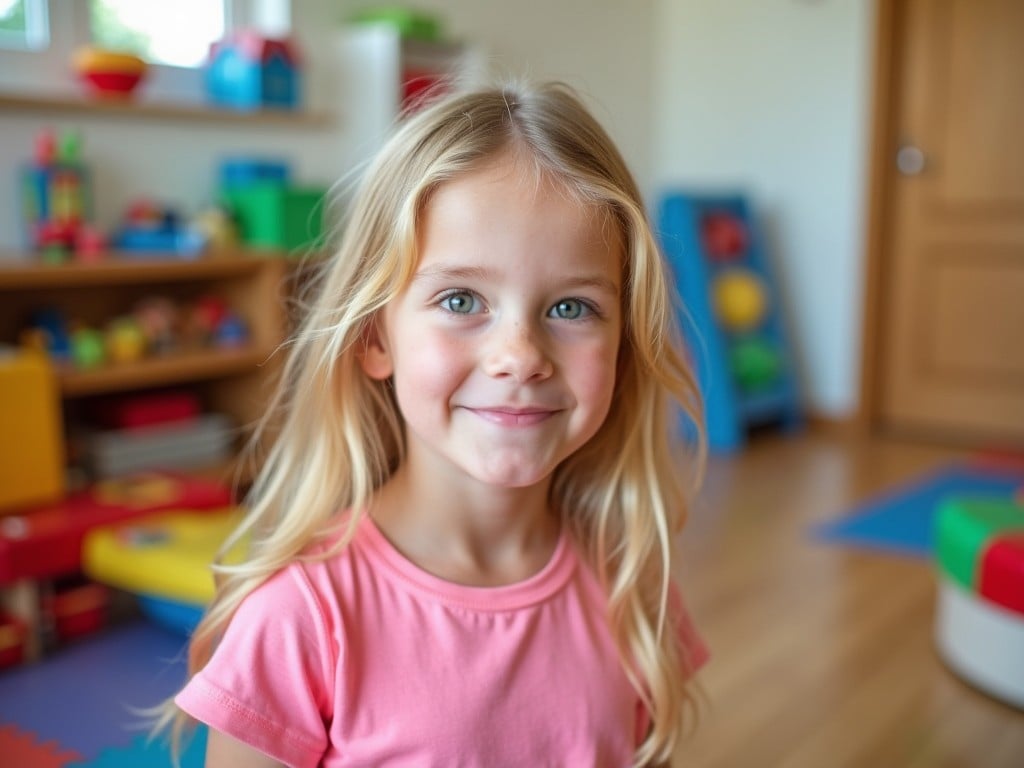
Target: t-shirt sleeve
269, 681
694, 649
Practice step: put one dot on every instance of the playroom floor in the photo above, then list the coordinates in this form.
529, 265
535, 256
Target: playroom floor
823, 656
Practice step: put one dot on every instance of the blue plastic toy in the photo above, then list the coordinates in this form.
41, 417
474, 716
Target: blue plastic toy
247, 71
732, 325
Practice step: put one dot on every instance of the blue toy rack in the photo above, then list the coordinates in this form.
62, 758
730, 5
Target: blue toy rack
732, 407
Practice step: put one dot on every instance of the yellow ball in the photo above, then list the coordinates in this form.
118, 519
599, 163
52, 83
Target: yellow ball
740, 300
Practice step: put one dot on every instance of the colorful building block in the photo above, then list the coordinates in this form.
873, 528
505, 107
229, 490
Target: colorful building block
55, 196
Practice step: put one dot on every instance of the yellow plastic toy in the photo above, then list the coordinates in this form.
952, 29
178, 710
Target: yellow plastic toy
32, 437
166, 556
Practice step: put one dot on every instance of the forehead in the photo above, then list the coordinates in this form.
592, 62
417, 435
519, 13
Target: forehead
509, 213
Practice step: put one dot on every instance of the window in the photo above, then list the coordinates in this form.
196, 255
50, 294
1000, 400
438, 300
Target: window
178, 33
39, 37
23, 24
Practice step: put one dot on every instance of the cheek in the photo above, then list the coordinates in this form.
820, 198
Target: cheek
429, 369
594, 374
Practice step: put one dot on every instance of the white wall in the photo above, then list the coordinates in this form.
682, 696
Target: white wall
772, 97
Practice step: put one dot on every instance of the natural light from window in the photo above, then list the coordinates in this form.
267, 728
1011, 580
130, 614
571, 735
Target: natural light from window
178, 33
23, 24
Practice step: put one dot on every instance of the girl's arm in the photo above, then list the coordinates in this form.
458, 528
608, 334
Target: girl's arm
222, 751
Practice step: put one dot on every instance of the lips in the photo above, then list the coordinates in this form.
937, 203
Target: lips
513, 417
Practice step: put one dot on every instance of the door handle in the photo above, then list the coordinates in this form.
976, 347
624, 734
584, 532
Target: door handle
910, 160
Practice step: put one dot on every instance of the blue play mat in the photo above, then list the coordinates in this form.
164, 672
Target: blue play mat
78, 706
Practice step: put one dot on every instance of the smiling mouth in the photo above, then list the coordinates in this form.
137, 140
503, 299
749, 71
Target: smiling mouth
513, 417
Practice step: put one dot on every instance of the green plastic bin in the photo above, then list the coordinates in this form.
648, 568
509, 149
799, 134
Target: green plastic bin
276, 217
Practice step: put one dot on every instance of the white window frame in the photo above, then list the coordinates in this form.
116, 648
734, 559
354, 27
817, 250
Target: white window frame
37, 32
47, 70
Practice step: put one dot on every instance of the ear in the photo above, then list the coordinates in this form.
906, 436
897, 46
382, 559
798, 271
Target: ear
372, 354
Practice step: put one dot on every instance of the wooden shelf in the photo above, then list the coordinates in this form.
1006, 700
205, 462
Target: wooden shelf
17, 273
157, 371
80, 105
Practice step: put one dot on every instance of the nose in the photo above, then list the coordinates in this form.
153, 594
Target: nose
517, 352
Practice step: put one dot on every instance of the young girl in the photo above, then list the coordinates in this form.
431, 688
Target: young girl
462, 541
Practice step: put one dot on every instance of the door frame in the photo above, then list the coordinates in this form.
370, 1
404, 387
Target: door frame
884, 102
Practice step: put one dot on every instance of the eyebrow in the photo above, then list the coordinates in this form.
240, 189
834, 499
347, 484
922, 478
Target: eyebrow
452, 273
447, 273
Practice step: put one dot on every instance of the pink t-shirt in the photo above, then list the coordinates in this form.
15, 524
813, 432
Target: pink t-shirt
366, 660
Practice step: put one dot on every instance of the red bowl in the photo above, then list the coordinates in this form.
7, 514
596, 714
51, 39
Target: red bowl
118, 84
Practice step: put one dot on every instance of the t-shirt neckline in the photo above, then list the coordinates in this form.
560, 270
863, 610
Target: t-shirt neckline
522, 594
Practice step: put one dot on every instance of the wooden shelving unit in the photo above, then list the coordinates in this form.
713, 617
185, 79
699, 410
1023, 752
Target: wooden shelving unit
174, 368
19, 272
234, 381
79, 105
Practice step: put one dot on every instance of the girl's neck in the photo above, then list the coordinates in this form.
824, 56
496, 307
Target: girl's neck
473, 534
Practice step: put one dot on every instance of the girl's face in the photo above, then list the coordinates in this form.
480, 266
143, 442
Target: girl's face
503, 347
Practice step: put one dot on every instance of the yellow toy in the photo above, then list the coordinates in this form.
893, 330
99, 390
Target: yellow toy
164, 560
32, 436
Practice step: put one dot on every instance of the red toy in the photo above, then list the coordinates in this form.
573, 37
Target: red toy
46, 541
724, 236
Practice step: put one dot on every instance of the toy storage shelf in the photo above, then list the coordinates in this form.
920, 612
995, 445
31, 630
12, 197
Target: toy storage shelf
17, 273
233, 381
173, 369
78, 105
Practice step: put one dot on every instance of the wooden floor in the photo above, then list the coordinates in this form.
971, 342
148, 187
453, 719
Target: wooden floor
822, 656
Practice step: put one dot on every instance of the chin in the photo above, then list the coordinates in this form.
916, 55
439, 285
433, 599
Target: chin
513, 478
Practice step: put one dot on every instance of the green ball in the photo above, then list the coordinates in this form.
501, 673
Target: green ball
87, 348
755, 363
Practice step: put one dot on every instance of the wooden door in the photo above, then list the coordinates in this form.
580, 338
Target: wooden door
949, 229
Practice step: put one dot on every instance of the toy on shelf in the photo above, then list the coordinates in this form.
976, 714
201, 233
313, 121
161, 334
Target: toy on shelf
55, 197
411, 24
733, 326
218, 226
156, 325
48, 332
248, 71
148, 229
107, 73
159, 319
125, 341
88, 349
270, 211
429, 60
147, 410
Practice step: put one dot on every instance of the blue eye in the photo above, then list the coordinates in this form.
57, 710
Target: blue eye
459, 302
569, 309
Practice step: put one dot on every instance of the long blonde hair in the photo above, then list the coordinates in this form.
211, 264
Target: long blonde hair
339, 434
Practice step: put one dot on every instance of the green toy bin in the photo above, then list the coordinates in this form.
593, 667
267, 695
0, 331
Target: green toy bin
271, 216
